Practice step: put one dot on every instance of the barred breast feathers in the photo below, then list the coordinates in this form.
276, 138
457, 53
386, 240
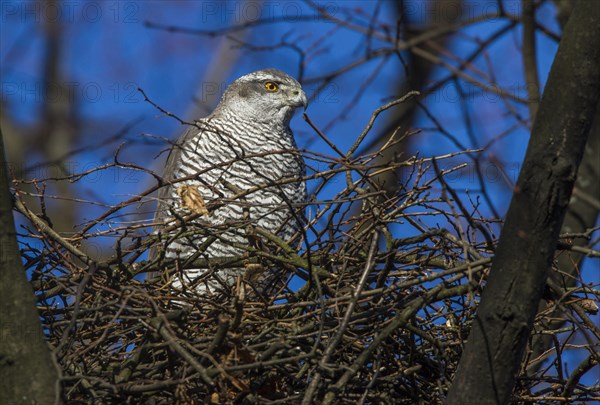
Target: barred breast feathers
240, 166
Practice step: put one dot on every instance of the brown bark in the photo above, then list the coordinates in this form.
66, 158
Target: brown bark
582, 215
27, 372
494, 350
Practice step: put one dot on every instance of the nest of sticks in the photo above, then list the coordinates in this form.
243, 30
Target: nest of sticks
371, 314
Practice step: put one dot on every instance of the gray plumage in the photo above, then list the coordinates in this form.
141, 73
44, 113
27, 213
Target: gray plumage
244, 147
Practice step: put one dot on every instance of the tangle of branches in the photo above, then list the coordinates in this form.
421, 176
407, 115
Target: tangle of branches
371, 314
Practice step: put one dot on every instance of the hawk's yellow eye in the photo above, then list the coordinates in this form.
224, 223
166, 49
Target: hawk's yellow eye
270, 86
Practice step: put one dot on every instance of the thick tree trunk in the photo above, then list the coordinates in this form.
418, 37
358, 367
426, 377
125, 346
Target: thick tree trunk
27, 372
494, 350
582, 215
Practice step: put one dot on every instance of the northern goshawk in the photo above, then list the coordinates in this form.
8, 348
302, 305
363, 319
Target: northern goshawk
233, 172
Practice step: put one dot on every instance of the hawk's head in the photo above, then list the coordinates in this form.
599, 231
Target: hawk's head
265, 95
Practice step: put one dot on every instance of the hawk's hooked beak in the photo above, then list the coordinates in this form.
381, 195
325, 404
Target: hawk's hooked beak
298, 98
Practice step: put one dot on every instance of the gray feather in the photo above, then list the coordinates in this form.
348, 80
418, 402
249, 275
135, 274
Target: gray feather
245, 146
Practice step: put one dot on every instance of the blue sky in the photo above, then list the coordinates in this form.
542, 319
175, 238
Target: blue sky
109, 51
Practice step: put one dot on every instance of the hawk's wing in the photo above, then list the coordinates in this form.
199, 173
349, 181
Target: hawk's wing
164, 193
